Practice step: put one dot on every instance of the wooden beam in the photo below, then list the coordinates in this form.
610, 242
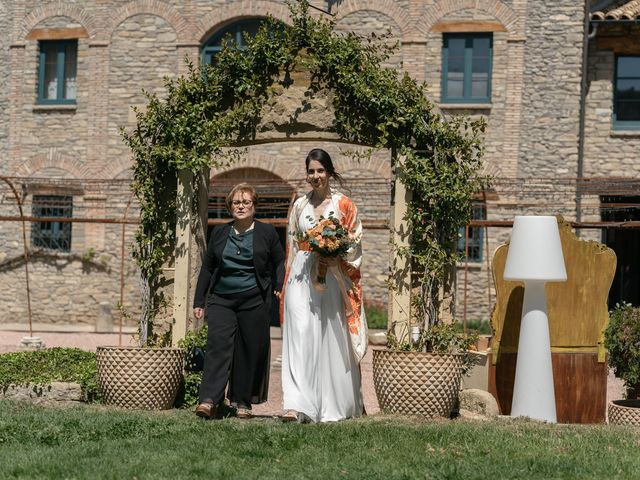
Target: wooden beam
468, 26
57, 33
625, 45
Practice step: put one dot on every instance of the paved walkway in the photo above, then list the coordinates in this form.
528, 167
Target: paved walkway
89, 341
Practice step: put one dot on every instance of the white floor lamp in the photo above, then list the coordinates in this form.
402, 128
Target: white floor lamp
535, 257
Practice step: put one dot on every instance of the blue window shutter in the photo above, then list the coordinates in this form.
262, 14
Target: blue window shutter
626, 93
477, 59
60, 56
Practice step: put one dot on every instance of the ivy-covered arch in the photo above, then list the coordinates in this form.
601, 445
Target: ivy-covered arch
305, 82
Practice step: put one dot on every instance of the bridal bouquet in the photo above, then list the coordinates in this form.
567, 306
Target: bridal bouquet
329, 238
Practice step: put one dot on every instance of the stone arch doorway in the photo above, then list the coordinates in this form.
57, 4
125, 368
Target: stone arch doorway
274, 193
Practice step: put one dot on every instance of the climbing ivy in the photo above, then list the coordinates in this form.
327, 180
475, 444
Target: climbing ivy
216, 106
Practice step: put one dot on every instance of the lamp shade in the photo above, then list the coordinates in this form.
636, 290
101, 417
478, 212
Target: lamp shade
535, 251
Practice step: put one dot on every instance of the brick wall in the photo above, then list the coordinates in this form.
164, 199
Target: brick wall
532, 119
5, 26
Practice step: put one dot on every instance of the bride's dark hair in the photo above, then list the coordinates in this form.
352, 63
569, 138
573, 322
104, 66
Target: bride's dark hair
324, 158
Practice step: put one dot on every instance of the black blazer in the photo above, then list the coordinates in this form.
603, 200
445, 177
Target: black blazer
268, 261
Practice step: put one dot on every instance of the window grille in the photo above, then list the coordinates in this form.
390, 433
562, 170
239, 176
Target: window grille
52, 235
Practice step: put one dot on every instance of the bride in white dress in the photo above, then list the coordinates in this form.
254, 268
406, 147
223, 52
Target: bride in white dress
324, 331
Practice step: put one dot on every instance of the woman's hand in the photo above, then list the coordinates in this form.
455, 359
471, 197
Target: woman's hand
198, 312
277, 294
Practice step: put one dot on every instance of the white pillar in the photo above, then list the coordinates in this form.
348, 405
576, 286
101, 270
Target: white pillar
181, 281
400, 296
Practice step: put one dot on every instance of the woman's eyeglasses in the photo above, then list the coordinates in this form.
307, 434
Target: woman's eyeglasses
246, 203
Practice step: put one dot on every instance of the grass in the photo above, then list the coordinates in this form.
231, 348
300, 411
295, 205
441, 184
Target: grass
377, 315
95, 442
481, 327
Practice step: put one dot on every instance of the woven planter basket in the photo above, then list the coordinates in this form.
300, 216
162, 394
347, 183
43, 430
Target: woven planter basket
417, 383
624, 412
140, 378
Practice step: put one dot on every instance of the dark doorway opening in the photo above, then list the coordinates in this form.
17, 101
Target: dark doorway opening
626, 243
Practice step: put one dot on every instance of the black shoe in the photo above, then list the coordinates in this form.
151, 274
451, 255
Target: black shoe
304, 418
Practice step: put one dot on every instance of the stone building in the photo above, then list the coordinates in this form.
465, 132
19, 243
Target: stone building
556, 82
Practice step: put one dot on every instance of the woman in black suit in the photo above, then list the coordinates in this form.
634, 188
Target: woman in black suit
242, 270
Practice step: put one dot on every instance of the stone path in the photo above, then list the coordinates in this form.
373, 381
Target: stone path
89, 341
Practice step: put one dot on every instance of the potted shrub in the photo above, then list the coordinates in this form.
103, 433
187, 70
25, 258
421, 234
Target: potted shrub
421, 370
145, 377
439, 167
622, 340
421, 376
148, 376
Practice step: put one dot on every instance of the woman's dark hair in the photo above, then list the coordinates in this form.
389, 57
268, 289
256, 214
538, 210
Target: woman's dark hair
324, 158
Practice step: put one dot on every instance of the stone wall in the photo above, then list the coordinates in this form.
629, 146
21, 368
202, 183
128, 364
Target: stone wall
532, 124
475, 292
142, 52
55, 393
364, 22
602, 142
4, 86
551, 101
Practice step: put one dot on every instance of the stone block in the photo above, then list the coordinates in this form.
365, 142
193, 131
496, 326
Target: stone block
64, 392
478, 402
478, 376
104, 321
54, 392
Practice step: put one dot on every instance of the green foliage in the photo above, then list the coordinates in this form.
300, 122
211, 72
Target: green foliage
481, 327
377, 315
440, 338
105, 444
89, 255
188, 395
622, 340
42, 367
185, 129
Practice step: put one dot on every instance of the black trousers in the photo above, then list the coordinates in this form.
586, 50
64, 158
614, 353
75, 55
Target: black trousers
238, 349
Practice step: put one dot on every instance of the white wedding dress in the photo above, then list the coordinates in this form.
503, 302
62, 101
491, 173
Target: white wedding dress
320, 373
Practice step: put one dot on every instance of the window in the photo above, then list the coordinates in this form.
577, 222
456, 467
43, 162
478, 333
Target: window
476, 234
57, 72
52, 235
466, 68
236, 31
626, 104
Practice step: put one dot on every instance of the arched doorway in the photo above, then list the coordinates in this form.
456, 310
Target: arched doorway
274, 195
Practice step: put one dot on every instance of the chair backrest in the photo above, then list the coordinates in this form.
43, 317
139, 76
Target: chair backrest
577, 309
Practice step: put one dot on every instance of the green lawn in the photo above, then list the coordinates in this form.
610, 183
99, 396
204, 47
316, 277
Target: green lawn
95, 442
